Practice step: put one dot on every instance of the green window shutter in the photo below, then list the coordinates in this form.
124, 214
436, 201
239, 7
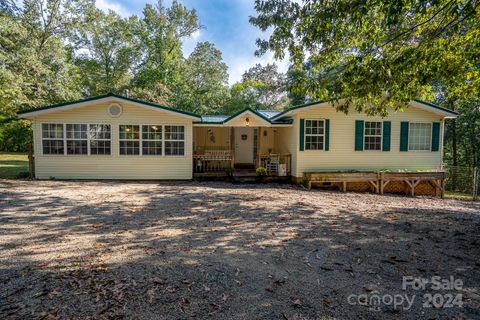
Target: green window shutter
404, 125
387, 126
327, 134
302, 134
359, 135
436, 136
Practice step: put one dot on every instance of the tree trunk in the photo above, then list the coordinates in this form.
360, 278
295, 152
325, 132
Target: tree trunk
454, 149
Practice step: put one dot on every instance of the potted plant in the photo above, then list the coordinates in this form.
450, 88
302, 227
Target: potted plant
261, 173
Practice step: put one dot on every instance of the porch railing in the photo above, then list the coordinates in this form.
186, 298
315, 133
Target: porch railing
213, 161
276, 164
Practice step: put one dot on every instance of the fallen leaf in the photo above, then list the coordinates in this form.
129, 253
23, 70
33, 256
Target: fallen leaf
297, 303
151, 295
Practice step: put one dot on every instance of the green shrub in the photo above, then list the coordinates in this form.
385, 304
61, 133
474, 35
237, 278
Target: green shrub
15, 135
261, 171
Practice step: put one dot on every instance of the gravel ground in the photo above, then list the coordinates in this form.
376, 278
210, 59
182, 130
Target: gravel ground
181, 250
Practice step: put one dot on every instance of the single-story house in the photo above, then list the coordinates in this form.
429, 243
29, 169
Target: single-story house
117, 137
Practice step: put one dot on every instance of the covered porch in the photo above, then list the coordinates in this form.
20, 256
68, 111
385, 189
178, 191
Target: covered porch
240, 144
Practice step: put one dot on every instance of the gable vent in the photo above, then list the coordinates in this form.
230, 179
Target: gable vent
114, 110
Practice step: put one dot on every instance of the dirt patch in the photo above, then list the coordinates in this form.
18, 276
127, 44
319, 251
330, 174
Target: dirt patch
178, 250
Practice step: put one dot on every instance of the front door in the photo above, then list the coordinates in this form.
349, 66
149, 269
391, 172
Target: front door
244, 145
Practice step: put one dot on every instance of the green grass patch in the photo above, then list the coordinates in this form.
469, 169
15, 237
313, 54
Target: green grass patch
458, 195
13, 165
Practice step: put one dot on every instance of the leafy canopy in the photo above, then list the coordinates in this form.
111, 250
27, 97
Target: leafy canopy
378, 54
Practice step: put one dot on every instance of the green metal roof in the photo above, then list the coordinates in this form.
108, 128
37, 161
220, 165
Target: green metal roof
271, 116
266, 115
108, 95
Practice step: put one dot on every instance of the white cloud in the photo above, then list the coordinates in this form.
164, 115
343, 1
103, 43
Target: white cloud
106, 5
239, 64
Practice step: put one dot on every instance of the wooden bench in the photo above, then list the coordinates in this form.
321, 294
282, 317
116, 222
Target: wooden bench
344, 177
412, 179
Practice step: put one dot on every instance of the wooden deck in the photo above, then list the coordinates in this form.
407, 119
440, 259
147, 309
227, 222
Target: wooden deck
412, 179
342, 177
378, 181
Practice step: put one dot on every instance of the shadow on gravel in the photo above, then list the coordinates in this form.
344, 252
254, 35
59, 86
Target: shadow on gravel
242, 253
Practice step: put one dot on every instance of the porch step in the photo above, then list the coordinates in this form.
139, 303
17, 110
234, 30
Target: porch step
244, 166
244, 176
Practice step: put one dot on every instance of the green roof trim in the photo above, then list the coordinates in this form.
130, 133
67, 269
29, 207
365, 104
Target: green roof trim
323, 101
109, 95
436, 107
247, 110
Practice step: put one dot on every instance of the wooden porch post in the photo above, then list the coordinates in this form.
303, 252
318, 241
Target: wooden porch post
259, 145
31, 168
232, 147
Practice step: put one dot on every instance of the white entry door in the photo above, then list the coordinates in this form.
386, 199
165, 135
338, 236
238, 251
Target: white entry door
243, 145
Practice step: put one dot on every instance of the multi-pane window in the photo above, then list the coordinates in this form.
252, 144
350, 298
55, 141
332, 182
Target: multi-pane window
373, 135
314, 134
174, 140
129, 136
74, 139
52, 138
420, 136
152, 140
100, 139
77, 139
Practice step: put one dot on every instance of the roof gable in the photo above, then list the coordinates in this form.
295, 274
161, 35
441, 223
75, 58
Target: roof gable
85, 102
430, 107
256, 117
250, 114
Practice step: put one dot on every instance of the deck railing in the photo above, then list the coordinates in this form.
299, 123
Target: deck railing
276, 164
213, 161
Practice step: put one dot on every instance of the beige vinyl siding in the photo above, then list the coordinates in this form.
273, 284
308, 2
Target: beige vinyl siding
114, 166
342, 154
285, 142
266, 142
202, 140
254, 120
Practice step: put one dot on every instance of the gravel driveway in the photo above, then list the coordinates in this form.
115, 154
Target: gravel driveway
182, 250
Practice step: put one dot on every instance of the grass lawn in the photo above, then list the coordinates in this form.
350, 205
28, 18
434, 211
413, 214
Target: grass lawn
13, 165
458, 195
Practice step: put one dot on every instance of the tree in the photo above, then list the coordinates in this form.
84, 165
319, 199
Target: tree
262, 87
108, 53
205, 81
35, 67
386, 52
35, 63
160, 34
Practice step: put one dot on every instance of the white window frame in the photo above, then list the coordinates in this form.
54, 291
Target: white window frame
184, 140
305, 134
429, 147
139, 140
370, 135
64, 129
75, 139
90, 140
174, 140
63, 139
162, 140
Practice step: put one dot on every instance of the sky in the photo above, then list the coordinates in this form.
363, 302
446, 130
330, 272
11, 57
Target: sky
225, 24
